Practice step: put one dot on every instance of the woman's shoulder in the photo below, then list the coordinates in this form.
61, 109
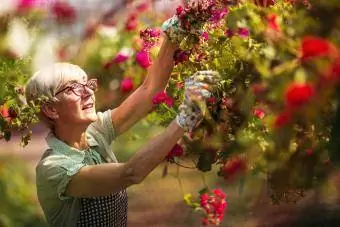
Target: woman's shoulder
53, 162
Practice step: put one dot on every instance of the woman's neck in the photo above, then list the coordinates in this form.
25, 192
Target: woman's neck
72, 136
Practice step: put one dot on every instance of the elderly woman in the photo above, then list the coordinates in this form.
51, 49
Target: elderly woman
79, 181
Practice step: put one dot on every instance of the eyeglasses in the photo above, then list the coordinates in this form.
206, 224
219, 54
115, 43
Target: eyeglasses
80, 89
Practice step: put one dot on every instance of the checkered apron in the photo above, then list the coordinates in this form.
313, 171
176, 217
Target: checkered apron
105, 211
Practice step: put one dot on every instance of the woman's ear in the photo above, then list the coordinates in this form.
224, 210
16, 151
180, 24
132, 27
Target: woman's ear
50, 111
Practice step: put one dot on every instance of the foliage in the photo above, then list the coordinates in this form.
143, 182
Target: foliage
18, 206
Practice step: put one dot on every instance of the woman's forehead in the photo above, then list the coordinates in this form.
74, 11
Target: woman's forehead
76, 79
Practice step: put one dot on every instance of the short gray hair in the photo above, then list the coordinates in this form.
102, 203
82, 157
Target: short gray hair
47, 81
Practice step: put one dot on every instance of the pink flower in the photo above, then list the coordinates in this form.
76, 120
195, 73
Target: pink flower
218, 15
142, 7
162, 97
243, 32
205, 36
155, 33
258, 112
126, 85
63, 12
27, 4
143, 59
120, 58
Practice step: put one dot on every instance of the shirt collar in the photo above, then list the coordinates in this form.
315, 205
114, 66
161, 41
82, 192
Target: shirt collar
61, 147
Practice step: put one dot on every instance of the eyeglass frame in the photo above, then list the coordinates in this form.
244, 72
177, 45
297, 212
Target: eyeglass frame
76, 83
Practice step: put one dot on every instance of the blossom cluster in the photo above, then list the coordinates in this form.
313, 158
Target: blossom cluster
214, 204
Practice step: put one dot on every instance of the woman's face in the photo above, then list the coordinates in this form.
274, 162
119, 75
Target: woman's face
77, 102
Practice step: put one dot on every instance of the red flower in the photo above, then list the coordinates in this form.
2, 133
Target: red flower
120, 58
212, 100
176, 151
258, 112
142, 7
272, 22
131, 23
63, 12
181, 56
4, 111
126, 85
309, 152
7, 113
315, 47
282, 119
162, 97
233, 168
214, 205
143, 59
179, 10
298, 94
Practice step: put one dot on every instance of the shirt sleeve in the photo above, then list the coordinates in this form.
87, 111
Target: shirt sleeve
53, 175
103, 127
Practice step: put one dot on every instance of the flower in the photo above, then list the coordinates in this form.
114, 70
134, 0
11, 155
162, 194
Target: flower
126, 85
258, 112
176, 151
27, 4
63, 12
205, 36
298, 94
243, 32
8, 114
229, 32
143, 59
282, 119
214, 204
4, 111
218, 15
272, 23
131, 23
212, 100
232, 168
142, 7
312, 47
162, 97
309, 151
181, 56
120, 58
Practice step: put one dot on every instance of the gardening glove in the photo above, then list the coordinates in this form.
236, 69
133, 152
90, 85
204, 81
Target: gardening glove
198, 89
172, 29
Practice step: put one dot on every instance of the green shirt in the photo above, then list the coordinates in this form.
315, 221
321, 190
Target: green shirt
59, 163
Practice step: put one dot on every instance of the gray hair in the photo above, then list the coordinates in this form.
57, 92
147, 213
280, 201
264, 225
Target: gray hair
47, 81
